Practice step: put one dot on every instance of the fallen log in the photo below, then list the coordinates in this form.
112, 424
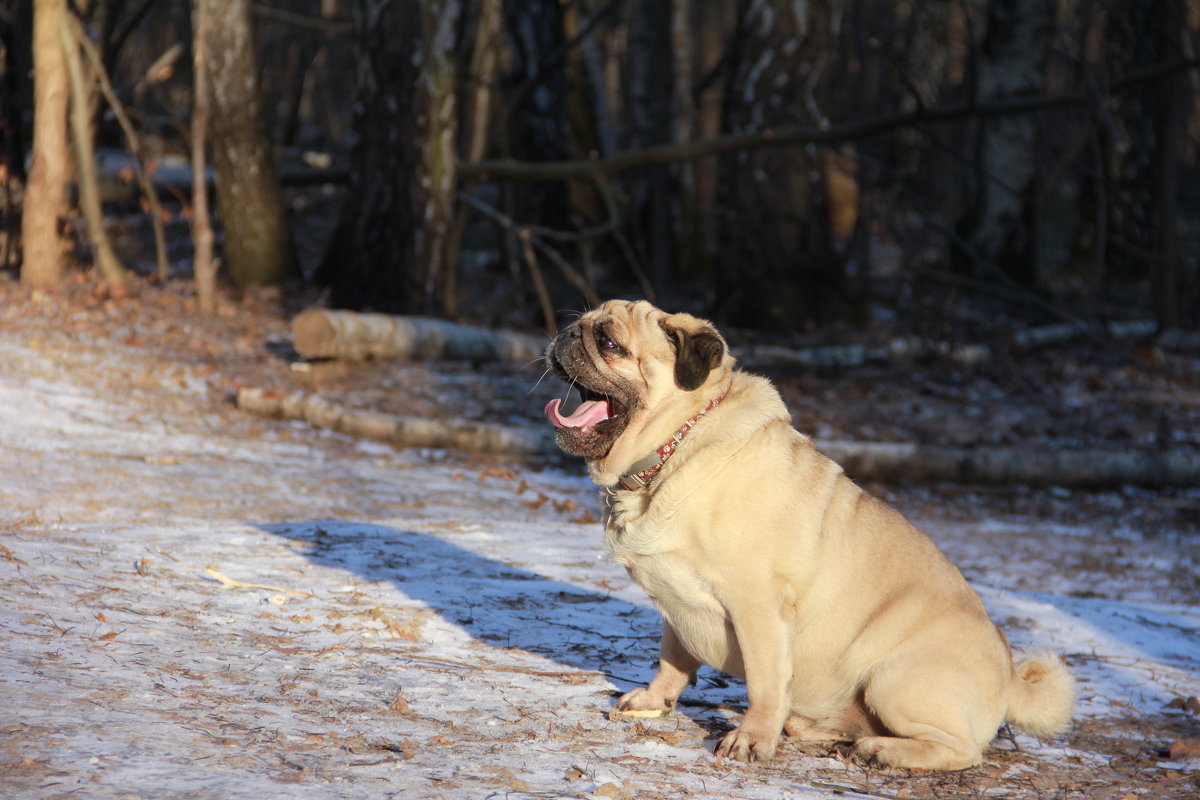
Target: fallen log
457, 434
875, 461
1180, 341
903, 348
355, 336
1045, 336
1043, 466
321, 333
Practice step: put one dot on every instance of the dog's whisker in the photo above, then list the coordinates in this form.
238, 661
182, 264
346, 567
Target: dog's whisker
545, 372
570, 386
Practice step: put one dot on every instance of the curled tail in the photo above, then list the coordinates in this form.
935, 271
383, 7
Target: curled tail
1043, 694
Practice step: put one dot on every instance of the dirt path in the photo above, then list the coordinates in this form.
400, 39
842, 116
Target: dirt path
195, 603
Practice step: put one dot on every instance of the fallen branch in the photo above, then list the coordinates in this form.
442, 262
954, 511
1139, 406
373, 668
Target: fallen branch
877, 461
318, 333
511, 169
234, 583
541, 673
458, 434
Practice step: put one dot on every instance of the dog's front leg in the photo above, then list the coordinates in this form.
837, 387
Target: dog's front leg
676, 669
765, 638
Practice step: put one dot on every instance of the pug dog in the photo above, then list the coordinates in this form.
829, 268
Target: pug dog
768, 563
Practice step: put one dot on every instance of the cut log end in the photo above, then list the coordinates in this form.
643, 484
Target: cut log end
313, 334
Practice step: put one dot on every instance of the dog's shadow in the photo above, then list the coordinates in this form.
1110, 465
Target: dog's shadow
508, 606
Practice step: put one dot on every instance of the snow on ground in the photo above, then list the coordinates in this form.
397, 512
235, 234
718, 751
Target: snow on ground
200, 604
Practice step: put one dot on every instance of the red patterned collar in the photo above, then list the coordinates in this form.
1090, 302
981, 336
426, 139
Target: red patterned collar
643, 471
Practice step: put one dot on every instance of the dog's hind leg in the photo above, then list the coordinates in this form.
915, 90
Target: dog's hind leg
939, 715
798, 726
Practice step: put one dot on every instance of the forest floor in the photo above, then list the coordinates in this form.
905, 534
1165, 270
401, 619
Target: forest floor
198, 603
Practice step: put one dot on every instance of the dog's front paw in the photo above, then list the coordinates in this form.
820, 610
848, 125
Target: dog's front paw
744, 745
643, 702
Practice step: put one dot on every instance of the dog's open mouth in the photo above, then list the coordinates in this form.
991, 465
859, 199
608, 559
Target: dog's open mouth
592, 428
595, 409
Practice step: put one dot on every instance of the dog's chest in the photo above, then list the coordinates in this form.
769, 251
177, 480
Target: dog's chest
660, 565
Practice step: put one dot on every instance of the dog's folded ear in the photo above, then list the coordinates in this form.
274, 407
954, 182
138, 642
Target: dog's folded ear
699, 349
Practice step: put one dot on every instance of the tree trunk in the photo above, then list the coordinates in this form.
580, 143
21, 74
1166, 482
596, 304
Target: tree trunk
651, 116
778, 268
204, 265
1143, 159
701, 251
1000, 224
386, 252
45, 193
257, 242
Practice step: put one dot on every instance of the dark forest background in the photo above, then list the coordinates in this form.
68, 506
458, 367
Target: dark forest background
779, 165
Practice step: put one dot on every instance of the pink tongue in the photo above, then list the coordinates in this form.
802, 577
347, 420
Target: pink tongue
589, 414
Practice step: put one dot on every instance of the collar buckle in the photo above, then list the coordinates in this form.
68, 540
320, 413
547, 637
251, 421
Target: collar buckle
632, 482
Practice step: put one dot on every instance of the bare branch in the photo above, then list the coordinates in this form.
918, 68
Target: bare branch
511, 169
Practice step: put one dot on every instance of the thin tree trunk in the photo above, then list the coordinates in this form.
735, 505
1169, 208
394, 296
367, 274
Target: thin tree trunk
709, 48
257, 242
45, 194
134, 141
204, 266
439, 147
686, 219
651, 103
103, 255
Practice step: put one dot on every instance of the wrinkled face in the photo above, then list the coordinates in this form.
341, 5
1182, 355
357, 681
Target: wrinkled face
627, 360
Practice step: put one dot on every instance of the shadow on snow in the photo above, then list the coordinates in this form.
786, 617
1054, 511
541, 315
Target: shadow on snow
494, 602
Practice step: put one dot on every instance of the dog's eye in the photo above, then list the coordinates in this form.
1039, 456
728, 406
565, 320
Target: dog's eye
605, 342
